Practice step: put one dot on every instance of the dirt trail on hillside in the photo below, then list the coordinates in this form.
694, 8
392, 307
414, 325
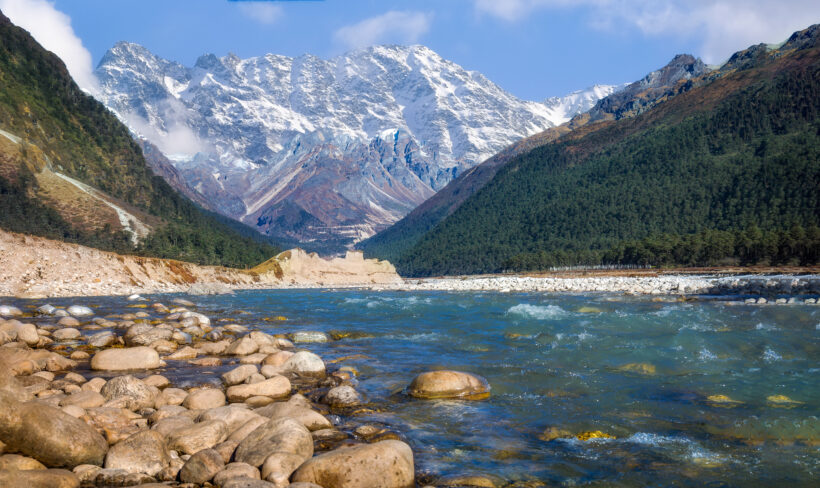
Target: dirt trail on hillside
32, 267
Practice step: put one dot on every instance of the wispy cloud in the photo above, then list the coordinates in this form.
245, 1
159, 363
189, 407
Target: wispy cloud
262, 12
723, 26
52, 29
400, 27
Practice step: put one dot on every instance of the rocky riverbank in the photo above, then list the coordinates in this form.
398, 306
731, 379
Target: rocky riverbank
87, 400
34, 267
769, 287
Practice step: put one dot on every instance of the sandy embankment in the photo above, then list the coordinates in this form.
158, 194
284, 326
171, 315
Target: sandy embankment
33, 267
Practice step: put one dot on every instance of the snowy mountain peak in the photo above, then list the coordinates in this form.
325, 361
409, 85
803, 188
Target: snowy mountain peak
402, 120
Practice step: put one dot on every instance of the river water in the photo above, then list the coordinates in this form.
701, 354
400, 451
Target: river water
709, 392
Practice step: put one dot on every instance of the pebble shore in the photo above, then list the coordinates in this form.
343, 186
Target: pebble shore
87, 400
770, 287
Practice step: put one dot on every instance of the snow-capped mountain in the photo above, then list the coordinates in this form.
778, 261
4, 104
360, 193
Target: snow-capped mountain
314, 149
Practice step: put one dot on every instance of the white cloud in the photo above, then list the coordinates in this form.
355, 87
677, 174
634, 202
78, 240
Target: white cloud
723, 26
395, 26
173, 136
52, 29
262, 12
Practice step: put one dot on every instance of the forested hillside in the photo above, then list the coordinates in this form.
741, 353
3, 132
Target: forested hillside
735, 161
63, 131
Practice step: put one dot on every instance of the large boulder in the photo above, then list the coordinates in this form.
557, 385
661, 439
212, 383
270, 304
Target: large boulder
126, 359
386, 464
48, 434
137, 394
285, 436
143, 452
275, 387
449, 384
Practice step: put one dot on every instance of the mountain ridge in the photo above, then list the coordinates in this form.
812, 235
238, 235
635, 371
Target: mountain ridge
262, 120
709, 114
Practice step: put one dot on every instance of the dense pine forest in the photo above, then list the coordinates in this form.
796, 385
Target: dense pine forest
726, 173
41, 103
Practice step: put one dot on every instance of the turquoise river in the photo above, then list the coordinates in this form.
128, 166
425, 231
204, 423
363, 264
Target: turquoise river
710, 392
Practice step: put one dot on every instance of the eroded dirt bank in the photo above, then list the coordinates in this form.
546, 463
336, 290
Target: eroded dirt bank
33, 267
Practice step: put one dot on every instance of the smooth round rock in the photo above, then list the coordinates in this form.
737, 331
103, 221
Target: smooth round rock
305, 363
125, 359
275, 387
138, 395
386, 464
204, 435
41, 478
309, 337
143, 452
67, 334
342, 396
449, 384
79, 311
16, 462
201, 467
48, 434
204, 399
275, 436
239, 374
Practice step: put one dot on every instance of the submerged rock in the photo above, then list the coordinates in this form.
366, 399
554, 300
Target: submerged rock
309, 337
449, 384
638, 368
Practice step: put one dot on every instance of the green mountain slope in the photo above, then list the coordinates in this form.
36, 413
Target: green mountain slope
681, 74
58, 139
739, 152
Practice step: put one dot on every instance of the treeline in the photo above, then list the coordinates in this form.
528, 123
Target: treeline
793, 247
740, 152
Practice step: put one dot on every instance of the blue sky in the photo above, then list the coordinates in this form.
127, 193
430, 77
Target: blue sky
532, 48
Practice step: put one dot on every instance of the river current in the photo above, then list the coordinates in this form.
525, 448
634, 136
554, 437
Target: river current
712, 392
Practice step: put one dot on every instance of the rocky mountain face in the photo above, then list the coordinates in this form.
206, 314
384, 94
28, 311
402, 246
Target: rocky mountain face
322, 151
599, 104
